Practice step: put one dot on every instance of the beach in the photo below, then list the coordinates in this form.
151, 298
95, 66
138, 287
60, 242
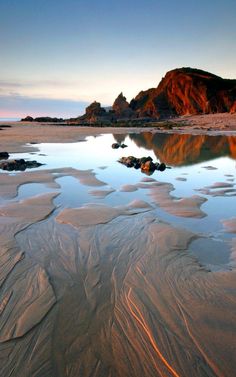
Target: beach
110, 288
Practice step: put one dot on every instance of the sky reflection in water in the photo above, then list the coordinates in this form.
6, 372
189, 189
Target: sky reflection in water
188, 157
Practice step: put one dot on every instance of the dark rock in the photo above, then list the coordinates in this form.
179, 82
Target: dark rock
27, 119
129, 161
137, 165
115, 146
145, 159
148, 166
4, 155
145, 163
48, 120
42, 119
161, 167
19, 165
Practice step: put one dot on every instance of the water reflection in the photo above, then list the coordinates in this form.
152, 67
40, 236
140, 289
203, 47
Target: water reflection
201, 165
182, 150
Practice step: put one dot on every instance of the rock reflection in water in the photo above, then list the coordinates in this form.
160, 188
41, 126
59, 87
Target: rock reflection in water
180, 150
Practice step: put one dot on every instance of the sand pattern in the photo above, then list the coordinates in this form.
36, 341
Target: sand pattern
26, 294
125, 306
183, 207
230, 225
219, 189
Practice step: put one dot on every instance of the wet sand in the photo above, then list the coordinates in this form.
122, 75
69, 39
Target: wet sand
96, 302
20, 133
100, 291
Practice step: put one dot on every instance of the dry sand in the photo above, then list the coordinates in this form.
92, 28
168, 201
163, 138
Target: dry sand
103, 291
224, 123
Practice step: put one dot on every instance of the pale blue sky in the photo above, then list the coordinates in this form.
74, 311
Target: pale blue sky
71, 52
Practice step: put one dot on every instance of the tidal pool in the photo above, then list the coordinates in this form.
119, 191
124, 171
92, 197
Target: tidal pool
108, 272
200, 165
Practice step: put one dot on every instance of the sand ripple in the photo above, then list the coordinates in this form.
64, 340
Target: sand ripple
110, 292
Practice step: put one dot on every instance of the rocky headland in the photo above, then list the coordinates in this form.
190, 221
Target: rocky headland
183, 91
186, 91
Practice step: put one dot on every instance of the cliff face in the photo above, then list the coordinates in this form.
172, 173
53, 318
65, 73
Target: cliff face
186, 91
183, 91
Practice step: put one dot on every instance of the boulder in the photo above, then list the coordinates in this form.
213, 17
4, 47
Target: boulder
115, 146
143, 160
4, 155
148, 166
27, 119
145, 163
161, 167
19, 165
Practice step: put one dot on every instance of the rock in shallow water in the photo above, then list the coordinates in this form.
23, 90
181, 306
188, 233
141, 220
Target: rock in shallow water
4, 155
117, 145
19, 165
145, 163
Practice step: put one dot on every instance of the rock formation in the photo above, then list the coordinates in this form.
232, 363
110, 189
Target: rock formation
186, 91
45, 119
183, 91
121, 107
27, 119
146, 164
19, 165
95, 113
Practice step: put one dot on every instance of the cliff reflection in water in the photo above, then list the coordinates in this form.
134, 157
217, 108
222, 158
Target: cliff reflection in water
180, 150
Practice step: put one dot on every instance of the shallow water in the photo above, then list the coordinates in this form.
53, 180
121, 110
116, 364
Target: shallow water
196, 162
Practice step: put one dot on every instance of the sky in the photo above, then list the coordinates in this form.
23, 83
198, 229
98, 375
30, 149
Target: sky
57, 56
